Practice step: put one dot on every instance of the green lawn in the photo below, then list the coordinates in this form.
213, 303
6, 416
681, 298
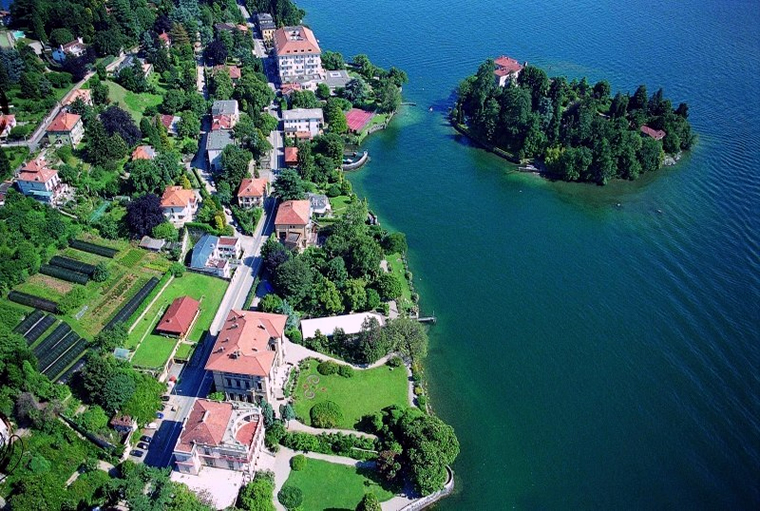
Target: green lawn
328, 485
154, 351
16, 155
396, 267
339, 204
368, 391
134, 103
208, 290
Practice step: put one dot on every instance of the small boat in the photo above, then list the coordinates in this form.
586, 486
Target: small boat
430, 109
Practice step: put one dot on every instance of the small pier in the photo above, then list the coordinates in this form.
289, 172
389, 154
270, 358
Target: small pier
427, 319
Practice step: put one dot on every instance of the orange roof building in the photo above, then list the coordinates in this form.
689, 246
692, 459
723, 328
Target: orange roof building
293, 212
144, 152
84, 94
291, 156
40, 182
252, 192
179, 317
66, 128
233, 71
293, 225
507, 69
247, 351
219, 435
298, 56
179, 205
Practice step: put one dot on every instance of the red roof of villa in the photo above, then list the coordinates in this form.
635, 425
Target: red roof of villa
179, 316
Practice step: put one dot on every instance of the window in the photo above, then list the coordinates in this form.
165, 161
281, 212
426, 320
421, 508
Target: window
228, 382
231, 465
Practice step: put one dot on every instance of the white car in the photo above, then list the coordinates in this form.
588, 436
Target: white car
152, 425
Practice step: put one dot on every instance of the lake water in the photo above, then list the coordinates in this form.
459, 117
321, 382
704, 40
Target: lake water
590, 355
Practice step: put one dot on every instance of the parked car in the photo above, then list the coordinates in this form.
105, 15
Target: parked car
146, 439
136, 453
159, 415
152, 425
165, 398
142, 445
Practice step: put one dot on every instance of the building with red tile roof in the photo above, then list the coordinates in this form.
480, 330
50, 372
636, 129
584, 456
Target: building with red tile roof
165, 38
252, 192
179, 317
222, 435
144, 152
298, 56
507, 69
40, 182
179, 205
246, 354
291, 156
170, 122
293, 224
221, 122
66, 128
653, 133
233, 71
84, 94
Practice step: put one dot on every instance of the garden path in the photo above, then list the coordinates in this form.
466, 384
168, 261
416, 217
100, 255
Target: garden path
295, 425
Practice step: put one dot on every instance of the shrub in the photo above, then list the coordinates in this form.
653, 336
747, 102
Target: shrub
294, 335
326, 414
73, 299
395, 361
298, 462
216, 396
273, 434
291, 497
177, 269
418, 390
422, 401
346, 371
101, 273
333, 191
327, 368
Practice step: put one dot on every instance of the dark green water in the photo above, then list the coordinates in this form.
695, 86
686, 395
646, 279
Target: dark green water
589, 355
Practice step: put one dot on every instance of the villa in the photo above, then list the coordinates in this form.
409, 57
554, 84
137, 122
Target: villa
224, 114
298, 56
233, 71
131, 60
212, 255
252, 192
221, 435
305, 121
38, 181
72, 49
179, 205
247, 352
293, 224
291, 156
66, 128
507, 70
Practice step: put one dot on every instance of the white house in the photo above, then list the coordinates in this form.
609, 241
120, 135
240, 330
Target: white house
349, 323
220, 435
252, 192
300, 121
179, 205
73, 49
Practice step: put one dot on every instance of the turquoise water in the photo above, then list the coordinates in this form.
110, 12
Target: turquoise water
589, 355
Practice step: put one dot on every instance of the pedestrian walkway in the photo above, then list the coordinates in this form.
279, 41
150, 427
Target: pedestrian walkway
295, 425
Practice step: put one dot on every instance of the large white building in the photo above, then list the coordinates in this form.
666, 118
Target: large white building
298, 56
303, 123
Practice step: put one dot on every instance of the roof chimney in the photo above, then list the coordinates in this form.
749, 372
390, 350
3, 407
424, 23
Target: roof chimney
205, 415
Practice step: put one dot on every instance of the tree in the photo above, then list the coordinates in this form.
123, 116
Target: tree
639, 100
96, 372
303, 99
291, 497
257, 495
335, 117
117, 391
189, 125
389, 97
602, 90
356, 91
287, 412
166, 231
217, 52
60, 36
116, 336
270, 303
294, 279
395, 243
101, 273
289, 186
354, 295
174, 101
369, 502
331, 145
143, 214
650, 155
389, 286
325, 414
407, 336
235, 165
5, 165
323, 90
328, 296
333, 60
144, 176
118, 121
222, 85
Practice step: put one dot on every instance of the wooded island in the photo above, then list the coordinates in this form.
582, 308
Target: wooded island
578, 131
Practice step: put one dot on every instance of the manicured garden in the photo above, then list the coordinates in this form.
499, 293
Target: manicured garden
154, 351
328, 485
398, 269
367, 391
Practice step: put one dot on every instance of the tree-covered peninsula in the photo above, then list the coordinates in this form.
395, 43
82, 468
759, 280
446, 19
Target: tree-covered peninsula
577, 130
